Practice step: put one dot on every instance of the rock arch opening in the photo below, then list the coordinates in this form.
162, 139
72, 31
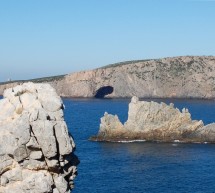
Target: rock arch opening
103, 91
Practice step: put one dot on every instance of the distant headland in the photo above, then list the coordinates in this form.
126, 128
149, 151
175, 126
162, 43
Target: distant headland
173, 77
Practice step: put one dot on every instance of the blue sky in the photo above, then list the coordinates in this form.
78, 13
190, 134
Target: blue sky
49, 37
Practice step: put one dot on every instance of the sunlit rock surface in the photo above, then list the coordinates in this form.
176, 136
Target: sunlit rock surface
154, 121
36, 150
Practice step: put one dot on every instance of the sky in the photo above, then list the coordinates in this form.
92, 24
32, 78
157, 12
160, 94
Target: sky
50, 37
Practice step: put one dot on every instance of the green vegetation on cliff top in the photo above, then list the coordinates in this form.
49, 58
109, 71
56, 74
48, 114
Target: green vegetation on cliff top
123, 63
60, 77
37, 80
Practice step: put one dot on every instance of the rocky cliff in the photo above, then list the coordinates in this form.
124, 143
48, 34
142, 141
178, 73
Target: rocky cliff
152, 121
181, 77
36, 150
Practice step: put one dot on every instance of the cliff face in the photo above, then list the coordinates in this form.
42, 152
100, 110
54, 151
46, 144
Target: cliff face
36, 150
182, 77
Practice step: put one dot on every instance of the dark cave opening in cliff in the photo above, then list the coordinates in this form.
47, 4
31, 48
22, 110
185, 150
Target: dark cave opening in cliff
103, 91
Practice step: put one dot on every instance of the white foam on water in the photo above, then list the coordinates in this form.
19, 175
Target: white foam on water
131, 141
176, 141
174, 144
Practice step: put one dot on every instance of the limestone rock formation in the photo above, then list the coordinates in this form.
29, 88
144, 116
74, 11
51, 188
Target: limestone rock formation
180, 77
155, 122
36, 150
206, 133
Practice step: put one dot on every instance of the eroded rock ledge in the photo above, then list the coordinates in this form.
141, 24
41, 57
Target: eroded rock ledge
36, 150
152, 121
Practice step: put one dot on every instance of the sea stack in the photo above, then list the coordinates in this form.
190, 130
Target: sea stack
36, 150
152, 121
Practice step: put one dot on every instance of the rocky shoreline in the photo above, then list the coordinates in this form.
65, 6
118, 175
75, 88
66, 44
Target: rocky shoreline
155, 122
142, 139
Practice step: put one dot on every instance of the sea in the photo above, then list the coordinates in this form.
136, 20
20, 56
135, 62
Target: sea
138, 167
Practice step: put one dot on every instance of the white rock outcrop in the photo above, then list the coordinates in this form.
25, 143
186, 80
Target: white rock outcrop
36, 150
155, 122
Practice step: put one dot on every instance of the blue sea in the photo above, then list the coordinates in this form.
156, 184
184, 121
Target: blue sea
138, 167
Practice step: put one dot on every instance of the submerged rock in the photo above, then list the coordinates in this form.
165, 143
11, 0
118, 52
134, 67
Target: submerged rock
154, 121
34, 142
